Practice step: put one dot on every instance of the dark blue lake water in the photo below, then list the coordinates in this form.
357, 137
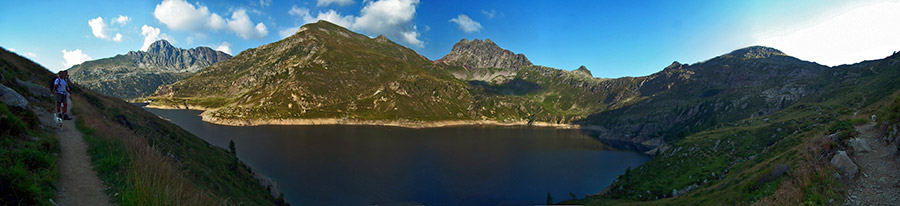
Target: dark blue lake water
367, 165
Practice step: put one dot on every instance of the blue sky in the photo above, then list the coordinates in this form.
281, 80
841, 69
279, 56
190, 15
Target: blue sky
611, 38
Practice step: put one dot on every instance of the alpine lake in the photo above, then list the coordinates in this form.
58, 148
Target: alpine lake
379, 165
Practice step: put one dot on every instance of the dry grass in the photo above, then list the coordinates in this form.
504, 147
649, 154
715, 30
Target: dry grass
151, 177
811, 181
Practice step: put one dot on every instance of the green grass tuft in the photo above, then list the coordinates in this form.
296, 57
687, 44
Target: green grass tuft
28, 171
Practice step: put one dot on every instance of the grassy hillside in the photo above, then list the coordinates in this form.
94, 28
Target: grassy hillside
774, 159
148, 159
28, 172
324, 71
143, 159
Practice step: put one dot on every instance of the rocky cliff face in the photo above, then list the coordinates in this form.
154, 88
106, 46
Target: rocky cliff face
162, 55
582, 70
140, 73
484, 54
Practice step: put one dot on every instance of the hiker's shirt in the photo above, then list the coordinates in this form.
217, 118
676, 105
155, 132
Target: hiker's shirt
61, 86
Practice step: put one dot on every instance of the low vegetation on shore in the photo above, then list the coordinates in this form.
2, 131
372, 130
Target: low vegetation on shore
146, 159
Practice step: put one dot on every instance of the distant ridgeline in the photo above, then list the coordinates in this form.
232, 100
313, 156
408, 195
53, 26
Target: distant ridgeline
325, 71
139, 73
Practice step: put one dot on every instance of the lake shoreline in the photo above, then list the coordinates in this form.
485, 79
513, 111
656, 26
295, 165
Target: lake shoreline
390, 123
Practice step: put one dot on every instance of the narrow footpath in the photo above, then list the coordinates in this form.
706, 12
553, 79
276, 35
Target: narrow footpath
78, 182
878, 181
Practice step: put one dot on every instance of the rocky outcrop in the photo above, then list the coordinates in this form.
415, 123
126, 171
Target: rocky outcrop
844, 164
34, 89
139, 73
756, 52
582, 70
484, 54
162, 55
12, 98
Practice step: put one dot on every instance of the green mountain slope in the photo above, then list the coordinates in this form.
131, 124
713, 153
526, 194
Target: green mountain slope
685, 99
140, 73
143, 159
778, 155
28, 164
324, 71
328, 72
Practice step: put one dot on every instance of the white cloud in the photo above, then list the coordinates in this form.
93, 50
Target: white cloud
118, 37
181, 15
330, 16
860, 33
299, 11
412, 37
224, 47
265, 3
26, 54
98, 27
151, 35
240, 23
334, 17
184, 16
489, 14
74, 57
121, 20
284, 33
466, 24
338, 2
393, 18
101, 30
387, 16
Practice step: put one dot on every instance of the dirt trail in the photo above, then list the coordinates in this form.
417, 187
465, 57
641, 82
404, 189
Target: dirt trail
78, 182
878, 181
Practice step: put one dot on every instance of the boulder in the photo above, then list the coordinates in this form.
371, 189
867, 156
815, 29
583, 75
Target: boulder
860, 145
12, 98
844, 164
35, 89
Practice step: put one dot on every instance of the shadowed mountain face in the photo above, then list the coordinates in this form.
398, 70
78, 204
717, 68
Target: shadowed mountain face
139, 73
684, 99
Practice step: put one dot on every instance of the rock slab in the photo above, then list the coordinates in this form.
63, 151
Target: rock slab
843, 163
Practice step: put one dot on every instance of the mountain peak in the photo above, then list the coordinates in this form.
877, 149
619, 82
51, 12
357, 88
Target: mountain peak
484, 54
583, 71
674, 65
756, 52
160, 46
324, 25
382, 39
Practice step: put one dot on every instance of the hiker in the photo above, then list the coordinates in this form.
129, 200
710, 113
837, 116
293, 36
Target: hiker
61, 86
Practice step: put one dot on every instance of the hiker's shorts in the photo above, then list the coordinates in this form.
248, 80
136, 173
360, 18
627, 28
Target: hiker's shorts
60, 98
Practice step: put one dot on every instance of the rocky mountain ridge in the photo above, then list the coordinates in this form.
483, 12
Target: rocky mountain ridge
140, 73
162, 55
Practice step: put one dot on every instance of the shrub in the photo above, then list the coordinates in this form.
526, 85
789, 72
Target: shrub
843, 129
858, 121
10, 124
